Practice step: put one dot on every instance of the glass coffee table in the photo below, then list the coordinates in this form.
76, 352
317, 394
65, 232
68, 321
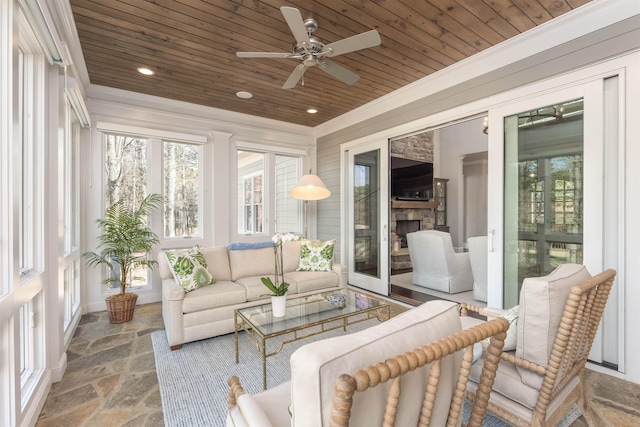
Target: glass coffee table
306, 316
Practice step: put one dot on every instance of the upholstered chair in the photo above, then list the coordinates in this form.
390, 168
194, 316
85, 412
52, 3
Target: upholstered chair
539, 376
478, 258
410, 370
436, 265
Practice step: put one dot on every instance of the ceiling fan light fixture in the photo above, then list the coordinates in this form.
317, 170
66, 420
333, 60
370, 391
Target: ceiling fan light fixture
311, 51
146, 71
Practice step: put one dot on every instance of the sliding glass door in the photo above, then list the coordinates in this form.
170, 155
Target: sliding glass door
544, 196
553, 174
367, 207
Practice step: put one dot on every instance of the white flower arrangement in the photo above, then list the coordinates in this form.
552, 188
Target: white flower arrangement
279, 289
281, 237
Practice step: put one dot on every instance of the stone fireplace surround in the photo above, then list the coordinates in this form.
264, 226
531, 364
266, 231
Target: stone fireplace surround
408, 211
415, 147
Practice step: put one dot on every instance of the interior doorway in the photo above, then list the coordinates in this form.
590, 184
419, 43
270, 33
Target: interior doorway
460, 153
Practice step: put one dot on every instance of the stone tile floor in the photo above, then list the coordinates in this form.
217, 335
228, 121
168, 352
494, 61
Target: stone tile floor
111, 379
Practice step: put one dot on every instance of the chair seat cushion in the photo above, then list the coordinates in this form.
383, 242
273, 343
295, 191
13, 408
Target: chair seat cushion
508, 382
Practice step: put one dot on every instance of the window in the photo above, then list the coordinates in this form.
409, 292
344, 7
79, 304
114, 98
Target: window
71, 216
181, 189
250, 192
252, 195
126, 179
126, 169
26, 342
31, 357
71, 184
264, 203
31, 84
140, 161
71, 291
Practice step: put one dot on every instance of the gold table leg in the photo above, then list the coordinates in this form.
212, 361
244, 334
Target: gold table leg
235, 327
264, 364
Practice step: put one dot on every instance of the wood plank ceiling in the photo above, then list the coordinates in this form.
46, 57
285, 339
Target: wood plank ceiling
191, 45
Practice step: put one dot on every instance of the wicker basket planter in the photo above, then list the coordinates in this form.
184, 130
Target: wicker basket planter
121, 306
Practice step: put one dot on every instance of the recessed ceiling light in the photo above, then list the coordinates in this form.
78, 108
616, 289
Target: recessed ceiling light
312, 111
244, 95
146, 71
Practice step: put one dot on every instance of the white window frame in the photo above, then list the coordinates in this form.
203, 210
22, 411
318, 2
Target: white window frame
31, 128
254, 221
155, 138
201, 223
268, 186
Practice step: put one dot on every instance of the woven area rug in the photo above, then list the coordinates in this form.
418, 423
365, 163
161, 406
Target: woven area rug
193, 380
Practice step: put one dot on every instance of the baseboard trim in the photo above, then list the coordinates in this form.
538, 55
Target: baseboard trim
58, 372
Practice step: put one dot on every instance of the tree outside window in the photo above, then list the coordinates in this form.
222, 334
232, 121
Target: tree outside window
181, 179
126, 179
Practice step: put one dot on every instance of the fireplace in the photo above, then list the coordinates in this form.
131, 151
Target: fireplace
406, 226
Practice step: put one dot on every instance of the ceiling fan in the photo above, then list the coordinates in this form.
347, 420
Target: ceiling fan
311, 51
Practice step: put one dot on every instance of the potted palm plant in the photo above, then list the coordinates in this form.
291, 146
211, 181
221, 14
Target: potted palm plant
124, 244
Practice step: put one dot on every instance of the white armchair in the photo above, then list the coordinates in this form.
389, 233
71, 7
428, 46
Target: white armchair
540, 375
478, 257
436, 265
413, 367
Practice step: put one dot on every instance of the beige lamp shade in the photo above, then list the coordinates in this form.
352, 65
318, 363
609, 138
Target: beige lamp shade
310, 187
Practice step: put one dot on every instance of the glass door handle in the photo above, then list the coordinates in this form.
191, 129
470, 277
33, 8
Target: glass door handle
490, 240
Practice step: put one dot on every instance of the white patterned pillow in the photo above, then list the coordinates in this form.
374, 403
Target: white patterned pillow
316, 255
189, 269
511, 315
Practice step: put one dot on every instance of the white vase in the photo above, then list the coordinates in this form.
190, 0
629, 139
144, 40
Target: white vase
278, 305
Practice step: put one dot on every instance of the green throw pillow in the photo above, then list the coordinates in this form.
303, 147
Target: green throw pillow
190, 269
316, 255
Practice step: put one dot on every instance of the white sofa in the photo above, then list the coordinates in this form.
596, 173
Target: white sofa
208, 312
436, 265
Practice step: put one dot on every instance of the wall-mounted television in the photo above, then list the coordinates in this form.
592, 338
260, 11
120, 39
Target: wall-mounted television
411, 179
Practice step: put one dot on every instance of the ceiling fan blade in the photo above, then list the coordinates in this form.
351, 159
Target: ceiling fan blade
263, 55
296, 24
339, 72
353, 43
297, 73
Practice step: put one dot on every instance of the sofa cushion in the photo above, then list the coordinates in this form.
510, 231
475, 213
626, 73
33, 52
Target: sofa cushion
316, 255
252, 262
256, 290
306, 281
222, 294
217, 258
542, 301
315, 367
189, 268
290, 255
